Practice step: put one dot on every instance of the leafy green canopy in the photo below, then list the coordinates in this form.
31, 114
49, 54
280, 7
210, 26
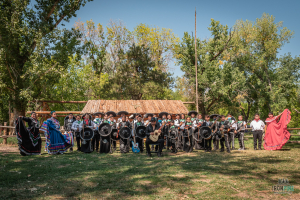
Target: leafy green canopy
31, 45
239, 71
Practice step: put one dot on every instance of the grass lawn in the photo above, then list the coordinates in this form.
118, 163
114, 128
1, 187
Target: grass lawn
198, 175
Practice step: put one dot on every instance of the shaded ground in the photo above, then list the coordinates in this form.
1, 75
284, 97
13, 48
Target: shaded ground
240, 175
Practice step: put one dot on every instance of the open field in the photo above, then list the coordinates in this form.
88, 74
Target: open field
240, 175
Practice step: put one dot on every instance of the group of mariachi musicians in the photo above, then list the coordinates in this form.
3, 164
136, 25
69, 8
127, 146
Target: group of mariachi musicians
100, 131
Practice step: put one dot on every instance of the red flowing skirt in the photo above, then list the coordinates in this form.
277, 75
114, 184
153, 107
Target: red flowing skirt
277, 135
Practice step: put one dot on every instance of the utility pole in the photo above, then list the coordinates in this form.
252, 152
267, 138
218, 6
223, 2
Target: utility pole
196, 69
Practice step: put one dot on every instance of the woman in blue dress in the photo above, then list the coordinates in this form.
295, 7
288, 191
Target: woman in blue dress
56, 142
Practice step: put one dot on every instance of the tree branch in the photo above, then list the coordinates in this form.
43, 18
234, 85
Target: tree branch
224, 48
42, 75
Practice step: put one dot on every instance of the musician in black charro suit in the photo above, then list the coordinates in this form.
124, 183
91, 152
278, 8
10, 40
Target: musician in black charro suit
124, 143
207, 141
68, 125
150, 131
140, 141
224, 125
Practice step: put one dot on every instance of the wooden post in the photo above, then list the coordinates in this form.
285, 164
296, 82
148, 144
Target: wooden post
5, 133
196, 69
11, 123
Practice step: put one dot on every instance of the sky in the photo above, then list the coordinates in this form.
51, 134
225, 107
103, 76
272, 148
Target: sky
179, 15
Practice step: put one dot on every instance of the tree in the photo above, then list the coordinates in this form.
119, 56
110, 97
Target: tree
137, 77
254, 52
219, 84
30, 39
160, 41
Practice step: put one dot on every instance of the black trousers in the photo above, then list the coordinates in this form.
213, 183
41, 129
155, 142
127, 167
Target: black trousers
208, 144
188, 144
257, 135
216, 143
114, 144
124, 145
140, 141
78, 140
96, 140
160, 144
225, 140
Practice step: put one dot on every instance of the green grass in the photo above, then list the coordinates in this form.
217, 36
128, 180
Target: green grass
198, 175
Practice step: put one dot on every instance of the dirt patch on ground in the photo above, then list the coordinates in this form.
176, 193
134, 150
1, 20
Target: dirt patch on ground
180, 175
9, 149
201, 180
242, 195
61, 166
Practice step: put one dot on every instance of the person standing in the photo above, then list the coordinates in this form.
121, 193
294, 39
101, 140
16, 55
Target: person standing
29, 139
140, 141
240, 130
276, 134
214, 129
56, 142
208, 123
199, 144
188, 139
96, 138
150, 131
224, 126
76, 128
68, 125
232, 128
124, 143
105, 141
257, 126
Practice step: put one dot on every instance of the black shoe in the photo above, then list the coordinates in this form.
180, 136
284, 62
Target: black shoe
149, 154
222, 150
159, 154
232, 148
228, 150
255, 149
259, 148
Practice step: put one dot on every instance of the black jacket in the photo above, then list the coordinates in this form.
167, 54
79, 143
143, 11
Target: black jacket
225, 123
122, 124
68, 125
31, 122
149, 129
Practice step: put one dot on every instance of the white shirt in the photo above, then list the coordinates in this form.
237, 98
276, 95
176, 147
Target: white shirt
196, 122
257, 126
177, 122
76, 125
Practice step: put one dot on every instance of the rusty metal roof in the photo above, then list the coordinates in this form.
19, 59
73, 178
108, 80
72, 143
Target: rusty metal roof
135, 106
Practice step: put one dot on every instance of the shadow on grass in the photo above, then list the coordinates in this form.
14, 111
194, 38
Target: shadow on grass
123, 175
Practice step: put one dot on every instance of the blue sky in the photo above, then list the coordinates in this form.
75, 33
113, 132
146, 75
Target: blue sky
178, 15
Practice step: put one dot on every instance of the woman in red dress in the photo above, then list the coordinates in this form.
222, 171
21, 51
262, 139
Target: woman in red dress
276, 134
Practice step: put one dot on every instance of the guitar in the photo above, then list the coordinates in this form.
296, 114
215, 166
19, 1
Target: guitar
135, 145
156, 134
240, 128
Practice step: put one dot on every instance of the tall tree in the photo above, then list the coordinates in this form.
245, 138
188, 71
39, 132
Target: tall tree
255, 49
30, 38
138, 78
218, 82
